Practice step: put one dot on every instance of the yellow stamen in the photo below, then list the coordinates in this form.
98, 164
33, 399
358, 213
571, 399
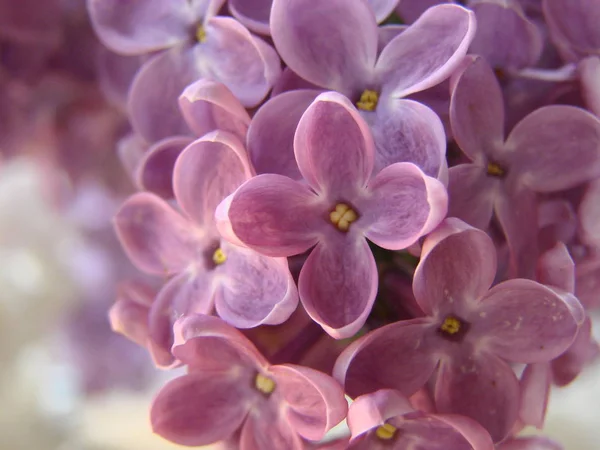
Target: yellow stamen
264, 384
219, 256
368, 100
342, 216
495, 170
200, 34
386, 431
451, 325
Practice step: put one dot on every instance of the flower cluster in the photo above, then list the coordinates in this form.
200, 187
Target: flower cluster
393, 202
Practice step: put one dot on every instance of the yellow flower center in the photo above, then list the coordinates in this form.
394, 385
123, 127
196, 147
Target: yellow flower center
342, 216
451, 325
495, 170
219, 256
200, 34
264, 384
386, 431
368, 100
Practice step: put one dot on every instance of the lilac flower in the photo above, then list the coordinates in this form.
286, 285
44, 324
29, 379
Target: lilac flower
386, 420
334, 211
198, 44
468, 335
420, 57
231, 386
247, 289
552, 149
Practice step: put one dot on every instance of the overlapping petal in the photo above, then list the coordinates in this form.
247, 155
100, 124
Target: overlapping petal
408, 131
275, 215
206, 172
255, 289
555, 148
271, 134
395, 356
334, 147
208, 105
338, 284
155, 237
340, 60
315, 401
137, 27
483, 388
229, 46
524, 321
403, 205
589, 72
535, 392
471, 194
129, 314
254, 14
427, 52
199, 409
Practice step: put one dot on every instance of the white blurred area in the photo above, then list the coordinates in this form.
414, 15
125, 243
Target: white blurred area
43, 404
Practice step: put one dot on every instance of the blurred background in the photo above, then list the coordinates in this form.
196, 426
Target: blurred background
67, 382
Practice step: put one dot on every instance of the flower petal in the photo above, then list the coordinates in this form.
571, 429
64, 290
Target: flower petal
556, 268
129, 314
275, 215
556, 148
152, 102
230, 47
410, 10
155, 237
338, 284
139, 27
182, 295
530, 443
457, 267
199, 409
535, 392
471, 194
207, 343
394, 356
253, 14
524, 321
404, 204
271, 133
315, 401
334, 147
208, 105
408, 131
483, 388
589, 72
383, 8
206, 172
329, 52
505, 37
267, 429
589, 215
477, 112
255, 289
427, 52
155, 173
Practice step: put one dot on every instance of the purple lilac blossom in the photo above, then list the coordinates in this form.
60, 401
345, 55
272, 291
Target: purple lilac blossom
469, 334
193, 42
422, 56
386, 420
205, 273
334, 210
552, 149
231, 386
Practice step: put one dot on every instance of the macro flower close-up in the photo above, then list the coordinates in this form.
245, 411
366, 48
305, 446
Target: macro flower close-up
300, 224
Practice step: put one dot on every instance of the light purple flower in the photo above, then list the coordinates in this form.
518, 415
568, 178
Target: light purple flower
195, 43
247, 289
468, 335
341, 55
231, 386
386, 420
334, 211
552, 149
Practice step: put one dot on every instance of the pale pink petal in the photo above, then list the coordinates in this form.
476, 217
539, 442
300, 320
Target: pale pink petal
535, 392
